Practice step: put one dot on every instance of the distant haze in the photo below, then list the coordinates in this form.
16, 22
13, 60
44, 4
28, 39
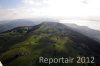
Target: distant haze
90, 23
87, 10
18, 9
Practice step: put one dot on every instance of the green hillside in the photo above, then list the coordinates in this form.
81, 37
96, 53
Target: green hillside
24, 45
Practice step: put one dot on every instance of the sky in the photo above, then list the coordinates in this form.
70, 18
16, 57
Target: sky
87, 10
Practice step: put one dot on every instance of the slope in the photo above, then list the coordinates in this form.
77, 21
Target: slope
92, 33
48, 39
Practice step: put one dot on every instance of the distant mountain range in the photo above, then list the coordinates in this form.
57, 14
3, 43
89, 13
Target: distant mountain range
10, 24
22, 46
16, 23
94, 34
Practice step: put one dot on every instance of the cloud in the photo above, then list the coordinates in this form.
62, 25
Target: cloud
34, 3
28, 9
53, 8
10, 14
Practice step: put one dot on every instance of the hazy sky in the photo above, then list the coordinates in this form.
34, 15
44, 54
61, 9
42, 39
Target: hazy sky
65, 9
91, 24
12, 9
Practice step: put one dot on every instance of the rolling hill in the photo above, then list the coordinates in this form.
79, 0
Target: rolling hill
22, 46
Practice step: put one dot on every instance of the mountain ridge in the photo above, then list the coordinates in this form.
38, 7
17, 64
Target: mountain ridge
47, 40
